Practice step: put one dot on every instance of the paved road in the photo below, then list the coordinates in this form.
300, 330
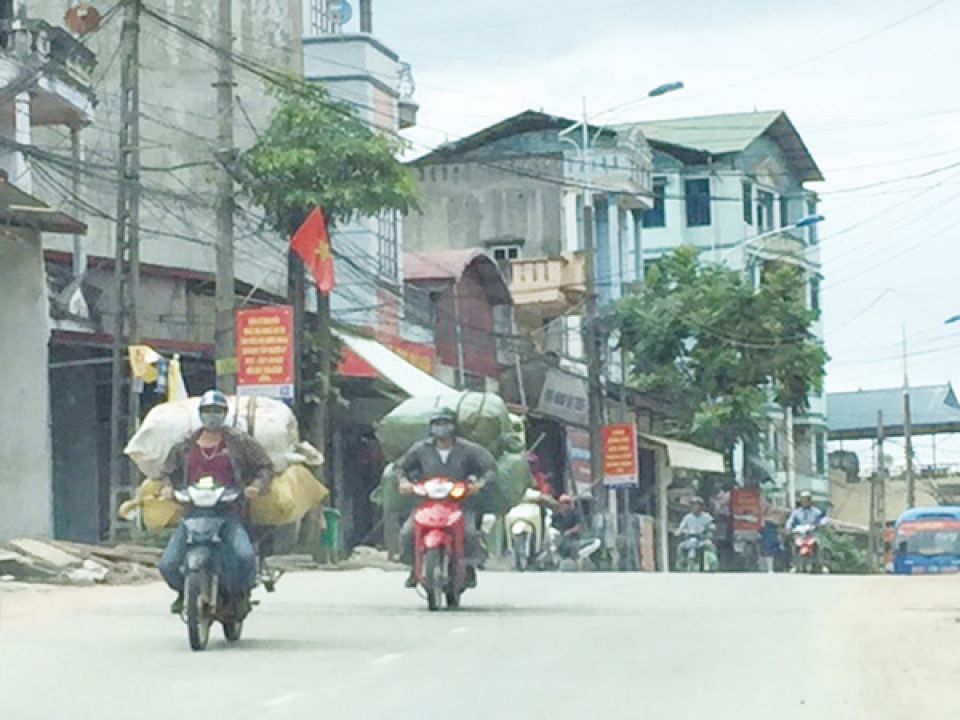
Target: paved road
356, 646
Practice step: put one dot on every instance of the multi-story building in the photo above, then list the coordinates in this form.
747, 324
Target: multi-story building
515, 190
734, 187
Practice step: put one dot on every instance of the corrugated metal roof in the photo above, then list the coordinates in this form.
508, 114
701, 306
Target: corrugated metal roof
451, 263
852, 415
732, 133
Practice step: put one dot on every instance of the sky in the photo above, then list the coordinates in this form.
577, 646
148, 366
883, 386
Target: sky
870, 85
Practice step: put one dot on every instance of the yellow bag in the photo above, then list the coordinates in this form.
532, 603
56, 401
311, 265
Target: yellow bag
293, 493
157, 514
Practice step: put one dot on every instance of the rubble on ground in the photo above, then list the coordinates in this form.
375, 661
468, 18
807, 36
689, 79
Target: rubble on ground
67, 563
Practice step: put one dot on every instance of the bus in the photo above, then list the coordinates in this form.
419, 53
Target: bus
927, 541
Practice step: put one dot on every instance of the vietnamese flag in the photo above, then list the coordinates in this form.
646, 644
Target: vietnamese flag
311, 242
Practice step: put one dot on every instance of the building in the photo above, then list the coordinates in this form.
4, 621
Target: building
462, 299
515, 190
27, 489
734, 186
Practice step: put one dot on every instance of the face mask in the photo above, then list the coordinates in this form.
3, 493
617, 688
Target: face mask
212, 420
441, 430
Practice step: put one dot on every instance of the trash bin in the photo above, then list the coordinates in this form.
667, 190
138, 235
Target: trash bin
330, 539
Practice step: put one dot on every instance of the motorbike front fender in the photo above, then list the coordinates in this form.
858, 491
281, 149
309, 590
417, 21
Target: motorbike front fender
198, 558
434, 539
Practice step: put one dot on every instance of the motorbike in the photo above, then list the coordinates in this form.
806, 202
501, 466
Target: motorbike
439, 537
806, 549
205, 601
527, 539
700, 556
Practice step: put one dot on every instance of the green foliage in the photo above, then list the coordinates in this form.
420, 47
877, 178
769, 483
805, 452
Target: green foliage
704, 338
841, 555
317, 152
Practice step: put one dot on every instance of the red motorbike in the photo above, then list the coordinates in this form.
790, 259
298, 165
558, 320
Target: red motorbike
439, 536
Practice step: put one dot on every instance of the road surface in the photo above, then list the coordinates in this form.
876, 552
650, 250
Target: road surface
357, 645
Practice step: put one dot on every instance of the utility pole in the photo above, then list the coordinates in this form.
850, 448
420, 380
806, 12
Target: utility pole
878, 500
225, 293
908, 430
126, 328
590, 335
791, 456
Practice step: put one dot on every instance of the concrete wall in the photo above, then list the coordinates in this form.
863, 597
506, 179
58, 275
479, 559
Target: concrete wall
474, 205
25, 487
178, 126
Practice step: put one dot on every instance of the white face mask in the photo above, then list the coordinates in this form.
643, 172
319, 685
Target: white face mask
442, 430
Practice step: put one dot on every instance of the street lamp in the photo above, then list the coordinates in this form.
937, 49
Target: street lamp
951, 321
665, 88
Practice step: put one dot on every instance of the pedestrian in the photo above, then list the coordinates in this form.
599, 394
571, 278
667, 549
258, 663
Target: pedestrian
770, 546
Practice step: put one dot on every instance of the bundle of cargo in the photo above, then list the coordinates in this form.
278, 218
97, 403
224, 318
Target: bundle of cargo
482, 418
294, 490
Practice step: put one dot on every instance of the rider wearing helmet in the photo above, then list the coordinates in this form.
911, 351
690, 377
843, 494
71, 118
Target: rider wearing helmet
806, 514
445, 454
232, 458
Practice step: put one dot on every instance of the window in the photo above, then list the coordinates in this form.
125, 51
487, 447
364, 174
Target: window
821, 454
785, 211
388, 264
748, 203
697, 194
503, 253
815, 293
656, 217
812, 238
764, 211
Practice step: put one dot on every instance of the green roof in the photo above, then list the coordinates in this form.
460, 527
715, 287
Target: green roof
733, 133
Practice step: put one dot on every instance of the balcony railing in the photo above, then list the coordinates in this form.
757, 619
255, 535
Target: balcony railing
555, 281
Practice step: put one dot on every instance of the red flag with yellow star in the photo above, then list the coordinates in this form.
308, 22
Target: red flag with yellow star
312, 243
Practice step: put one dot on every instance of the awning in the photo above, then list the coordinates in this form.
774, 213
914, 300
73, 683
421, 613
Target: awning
684, 456
405, 375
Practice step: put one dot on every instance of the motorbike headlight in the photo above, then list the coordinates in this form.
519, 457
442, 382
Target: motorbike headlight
205, 497
438, 489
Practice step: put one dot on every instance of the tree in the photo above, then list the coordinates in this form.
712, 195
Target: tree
316, 152
719, 349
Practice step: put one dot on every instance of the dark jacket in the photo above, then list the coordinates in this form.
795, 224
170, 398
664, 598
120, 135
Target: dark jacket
251, 464
466, 458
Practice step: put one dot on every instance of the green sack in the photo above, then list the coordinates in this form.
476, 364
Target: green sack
481, 418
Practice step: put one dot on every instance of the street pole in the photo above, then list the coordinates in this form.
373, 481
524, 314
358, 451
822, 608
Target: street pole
590, 339
791, 451
126, 330
225, 285
878, 500
908, 430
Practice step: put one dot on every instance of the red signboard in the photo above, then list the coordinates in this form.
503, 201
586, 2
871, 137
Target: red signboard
578, 453
264, 347
746, 506
417, 354
619, 443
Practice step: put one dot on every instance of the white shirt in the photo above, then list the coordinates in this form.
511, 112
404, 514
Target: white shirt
444, 453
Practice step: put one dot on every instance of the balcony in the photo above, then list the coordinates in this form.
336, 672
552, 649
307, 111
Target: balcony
61, 94
550, 284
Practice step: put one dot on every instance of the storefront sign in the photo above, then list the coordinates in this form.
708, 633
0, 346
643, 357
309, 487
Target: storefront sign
417, 354
619, 443
746, 506
265, 352
578, 452
564, 397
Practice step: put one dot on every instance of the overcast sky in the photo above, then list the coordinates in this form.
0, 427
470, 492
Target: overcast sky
871, 86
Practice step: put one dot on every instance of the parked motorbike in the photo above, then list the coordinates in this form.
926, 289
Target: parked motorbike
701, 556
806, 549
205, 601
527, 540
439, 537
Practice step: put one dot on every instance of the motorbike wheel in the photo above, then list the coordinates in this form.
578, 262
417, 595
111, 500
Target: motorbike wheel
520, 552
453, 600
198, 611
435, 581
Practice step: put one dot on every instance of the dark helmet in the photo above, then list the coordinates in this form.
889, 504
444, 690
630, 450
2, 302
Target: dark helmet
443, 415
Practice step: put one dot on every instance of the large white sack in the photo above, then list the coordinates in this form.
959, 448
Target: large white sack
274, 427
